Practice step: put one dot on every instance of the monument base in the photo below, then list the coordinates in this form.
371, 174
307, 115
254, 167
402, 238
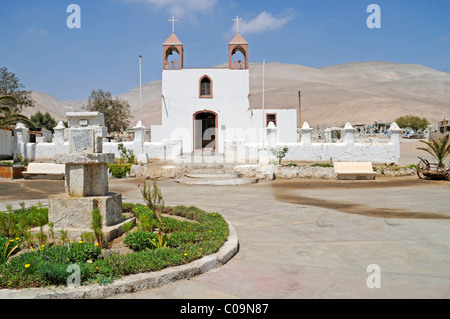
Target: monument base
74, 214
74, 234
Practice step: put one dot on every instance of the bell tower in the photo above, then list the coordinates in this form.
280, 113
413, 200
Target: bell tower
238, 50
173, 51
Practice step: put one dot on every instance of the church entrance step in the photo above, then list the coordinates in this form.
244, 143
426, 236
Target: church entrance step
211, 175
216, 181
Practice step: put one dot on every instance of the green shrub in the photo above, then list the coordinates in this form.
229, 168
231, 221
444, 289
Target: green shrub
81, 252
16, 222
119, 170
126, 156
146, 219
139, 240
279, 152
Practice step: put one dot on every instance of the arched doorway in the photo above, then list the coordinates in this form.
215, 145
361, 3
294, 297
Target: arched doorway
205, 130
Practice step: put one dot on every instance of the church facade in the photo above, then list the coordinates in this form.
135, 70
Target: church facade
206, 108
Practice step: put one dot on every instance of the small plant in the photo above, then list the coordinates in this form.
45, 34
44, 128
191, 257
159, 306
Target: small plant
126, 156
153, 197
337, 133
96, 226
5, 250
160, 241
51, 231
19, 157
41, 219
87, 237
63, 236
279, 152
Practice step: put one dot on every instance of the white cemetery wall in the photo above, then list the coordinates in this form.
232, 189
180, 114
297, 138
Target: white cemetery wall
6, 143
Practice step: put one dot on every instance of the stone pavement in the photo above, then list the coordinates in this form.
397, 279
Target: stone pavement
309, 238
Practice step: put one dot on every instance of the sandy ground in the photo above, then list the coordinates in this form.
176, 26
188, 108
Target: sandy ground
409, 154
307, 238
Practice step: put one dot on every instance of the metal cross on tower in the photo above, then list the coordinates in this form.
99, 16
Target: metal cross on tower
173, 23
237, 23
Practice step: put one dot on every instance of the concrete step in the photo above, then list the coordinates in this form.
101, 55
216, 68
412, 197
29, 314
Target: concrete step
212, 166
216, 181
196, 174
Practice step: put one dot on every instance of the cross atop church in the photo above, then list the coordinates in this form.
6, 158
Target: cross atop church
237, 23
173, 23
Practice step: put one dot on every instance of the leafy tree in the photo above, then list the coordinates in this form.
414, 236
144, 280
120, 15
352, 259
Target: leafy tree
439, 149
8, 116
43, 120
413, 122
116, 112
10, 85
279, 152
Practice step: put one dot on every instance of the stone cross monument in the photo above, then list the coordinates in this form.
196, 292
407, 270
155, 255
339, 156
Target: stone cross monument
86, 180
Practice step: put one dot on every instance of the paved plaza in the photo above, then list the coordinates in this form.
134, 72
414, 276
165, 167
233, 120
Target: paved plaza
305, 238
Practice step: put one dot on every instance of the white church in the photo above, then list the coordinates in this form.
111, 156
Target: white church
206, 108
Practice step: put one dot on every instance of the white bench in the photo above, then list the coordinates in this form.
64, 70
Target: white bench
45, 171
354, 171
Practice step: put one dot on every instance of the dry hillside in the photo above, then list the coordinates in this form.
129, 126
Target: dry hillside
359, 93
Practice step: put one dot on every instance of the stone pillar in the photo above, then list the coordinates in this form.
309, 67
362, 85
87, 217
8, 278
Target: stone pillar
349, 134
327, 135
86, 174
58, 137
395, 133
139, 139
20, 141
306, 132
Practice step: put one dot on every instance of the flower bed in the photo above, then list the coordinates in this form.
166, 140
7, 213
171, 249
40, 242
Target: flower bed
193, 234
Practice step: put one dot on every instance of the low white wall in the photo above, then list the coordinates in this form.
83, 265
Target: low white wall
44, 152
6, 143
346, 151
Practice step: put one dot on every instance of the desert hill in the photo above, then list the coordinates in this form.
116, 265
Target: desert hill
359, 93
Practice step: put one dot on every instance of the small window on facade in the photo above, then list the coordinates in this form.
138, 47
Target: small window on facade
271, 117
205, 87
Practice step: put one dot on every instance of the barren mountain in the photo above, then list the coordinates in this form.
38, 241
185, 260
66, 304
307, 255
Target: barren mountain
359, 93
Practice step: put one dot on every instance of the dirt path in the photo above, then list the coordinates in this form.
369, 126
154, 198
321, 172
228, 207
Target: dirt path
289, 191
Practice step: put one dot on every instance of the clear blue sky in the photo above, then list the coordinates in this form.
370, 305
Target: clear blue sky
68, 63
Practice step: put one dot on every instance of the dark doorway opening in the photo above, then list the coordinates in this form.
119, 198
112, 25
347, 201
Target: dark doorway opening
205, 130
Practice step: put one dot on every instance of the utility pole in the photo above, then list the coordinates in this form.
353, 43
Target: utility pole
299, 113
263, 93
140, 87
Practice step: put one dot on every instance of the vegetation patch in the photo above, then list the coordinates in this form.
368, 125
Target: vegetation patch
119, 170
322, 165
178, 236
